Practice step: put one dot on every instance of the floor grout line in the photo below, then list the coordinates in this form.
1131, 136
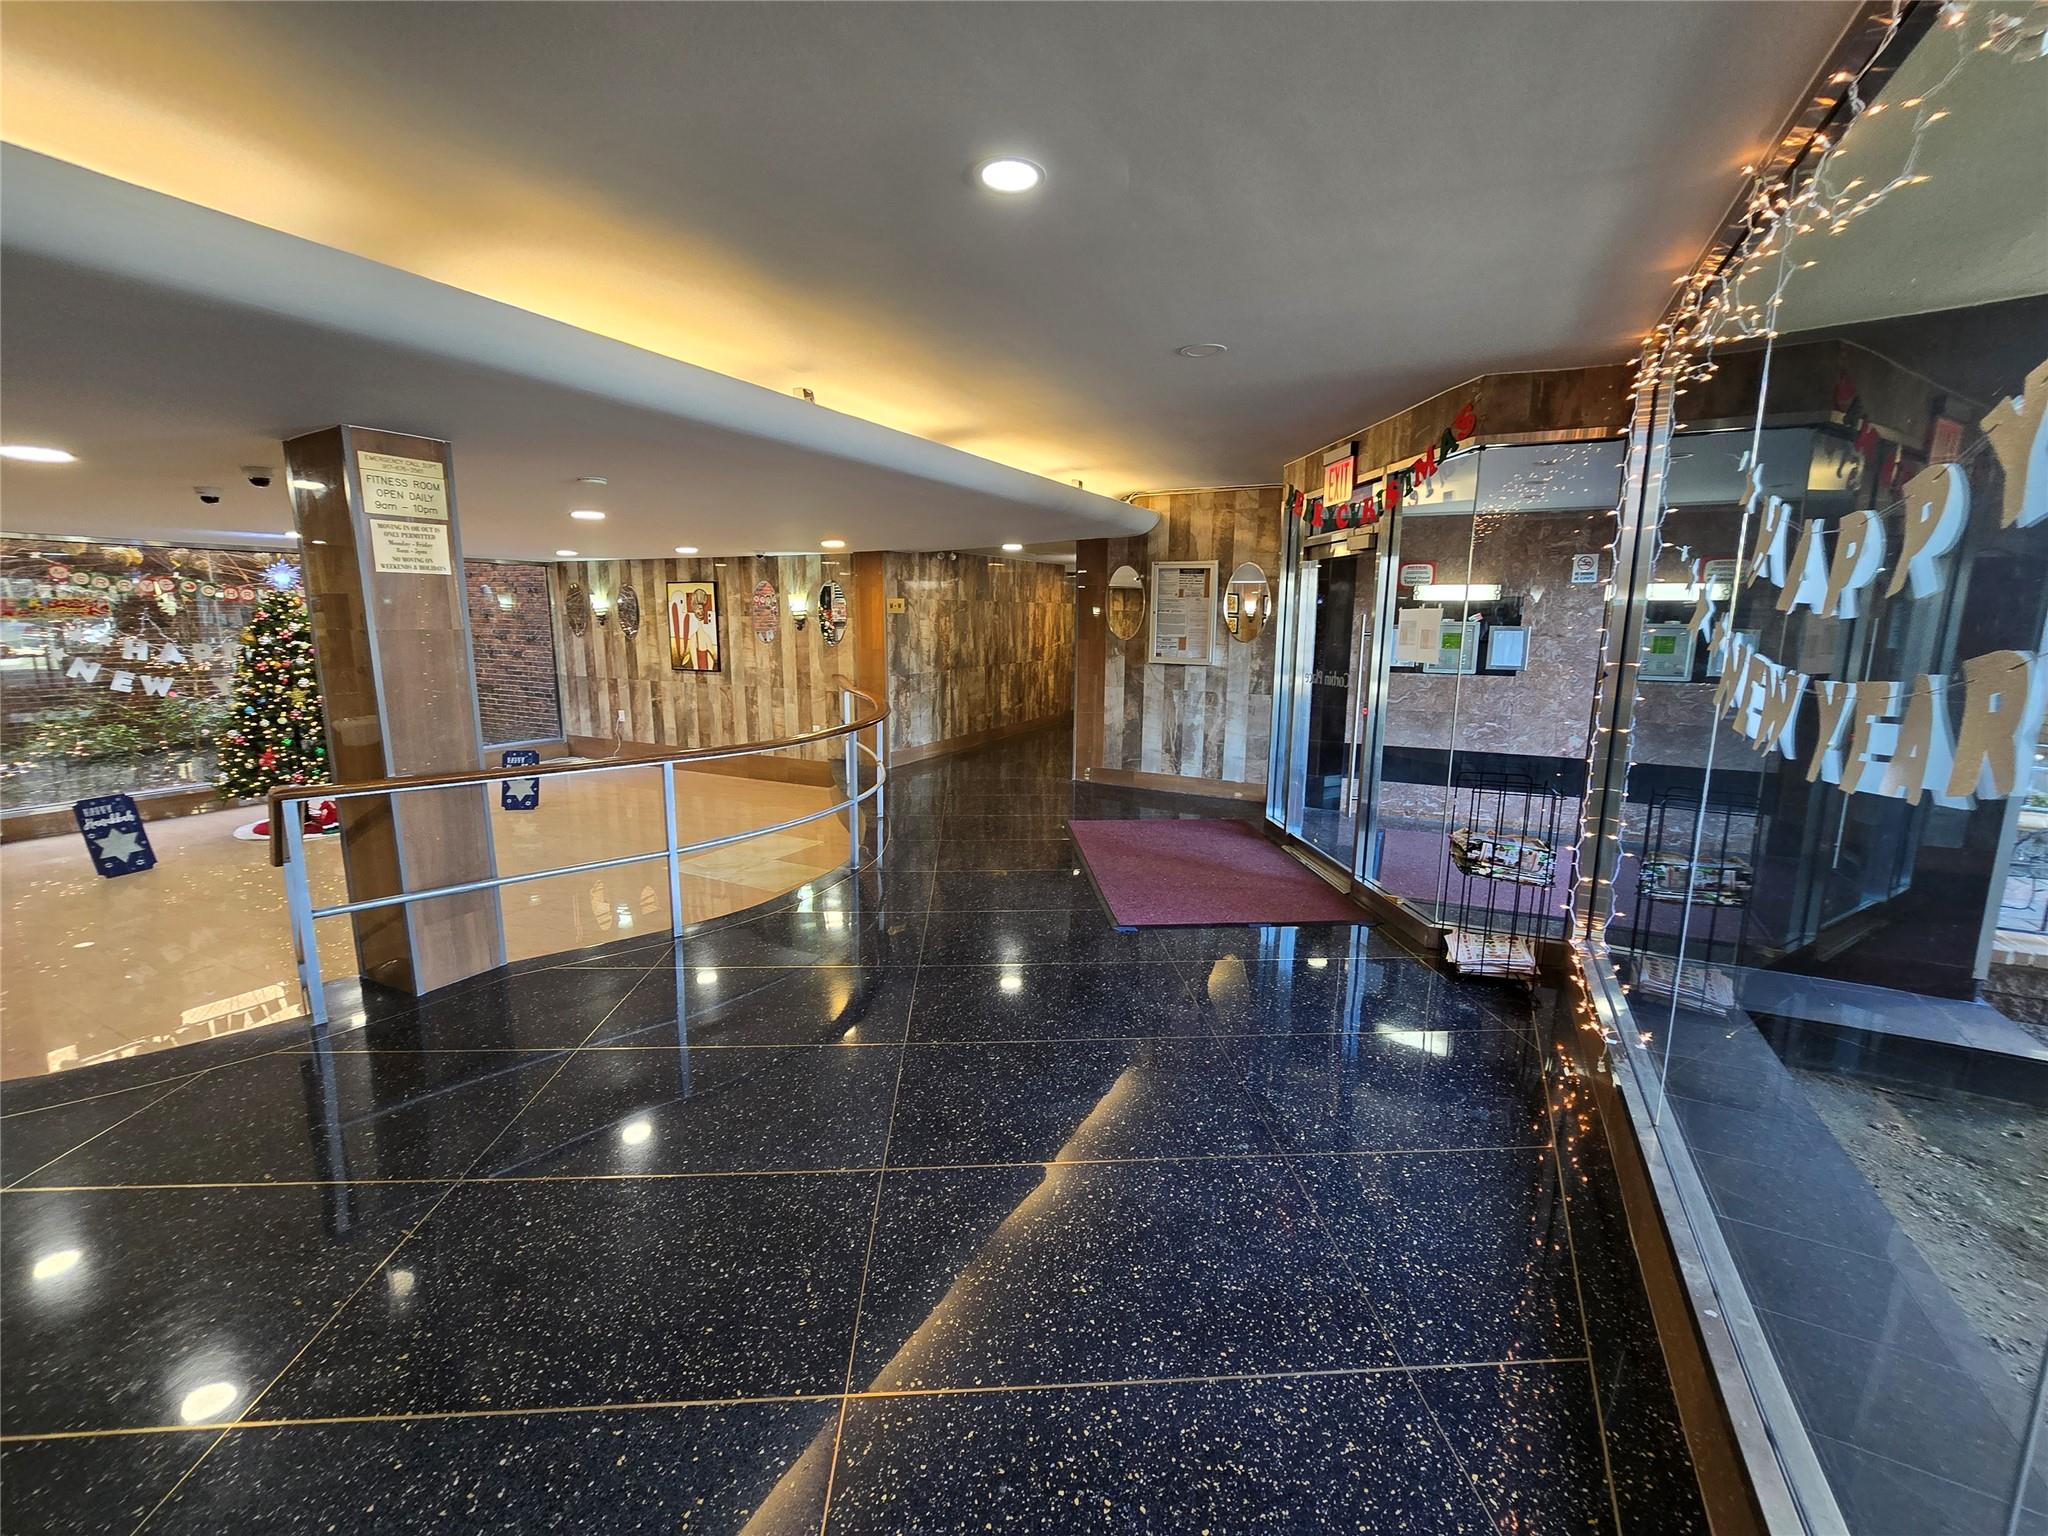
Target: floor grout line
867, 1264
872, 1394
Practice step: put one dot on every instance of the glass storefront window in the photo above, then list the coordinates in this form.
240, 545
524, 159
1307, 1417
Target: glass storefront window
116, 661
1828, 913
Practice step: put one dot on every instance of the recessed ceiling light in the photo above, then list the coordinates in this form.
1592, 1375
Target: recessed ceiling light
307, 485
1009, 174
565, 554
686, 549
32, 455
832, 543
1202, 349
1013, 549
587, 515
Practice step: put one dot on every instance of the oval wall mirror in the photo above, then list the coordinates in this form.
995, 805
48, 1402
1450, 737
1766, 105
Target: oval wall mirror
1126, 603
1247, 603
831, 611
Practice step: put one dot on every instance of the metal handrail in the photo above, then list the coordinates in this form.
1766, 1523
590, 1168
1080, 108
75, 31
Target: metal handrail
282, 793
288, 846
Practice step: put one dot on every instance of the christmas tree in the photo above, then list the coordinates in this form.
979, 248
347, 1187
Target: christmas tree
275, 734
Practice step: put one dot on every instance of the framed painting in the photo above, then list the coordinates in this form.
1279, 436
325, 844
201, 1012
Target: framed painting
693, 637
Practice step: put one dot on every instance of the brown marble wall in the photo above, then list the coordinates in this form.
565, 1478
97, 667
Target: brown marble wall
764, 690
982, 646
1209, 724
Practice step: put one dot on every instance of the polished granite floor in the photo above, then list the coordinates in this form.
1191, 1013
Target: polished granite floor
925, 1202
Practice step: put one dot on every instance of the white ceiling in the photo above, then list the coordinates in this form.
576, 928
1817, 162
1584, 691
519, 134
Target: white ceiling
1366, 202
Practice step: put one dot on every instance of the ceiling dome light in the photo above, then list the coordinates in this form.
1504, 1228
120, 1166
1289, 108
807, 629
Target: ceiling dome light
1013, 549
1201, 349
33, 455
587, 515
686, 549
565, 554
1009, 175
831, 543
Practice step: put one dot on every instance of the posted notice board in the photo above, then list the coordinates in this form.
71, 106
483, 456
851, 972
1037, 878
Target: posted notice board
1183, 612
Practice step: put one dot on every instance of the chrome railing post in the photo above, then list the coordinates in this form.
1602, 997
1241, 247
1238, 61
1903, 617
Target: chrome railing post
298, 897
846, 714
881, 778
674, 845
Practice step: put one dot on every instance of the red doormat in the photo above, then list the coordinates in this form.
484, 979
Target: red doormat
1160, 874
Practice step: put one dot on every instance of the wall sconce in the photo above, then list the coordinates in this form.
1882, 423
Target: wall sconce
799, 608
600, 608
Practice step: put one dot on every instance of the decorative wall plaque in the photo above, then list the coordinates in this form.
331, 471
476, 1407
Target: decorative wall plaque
767, 610
628, 607
577, 607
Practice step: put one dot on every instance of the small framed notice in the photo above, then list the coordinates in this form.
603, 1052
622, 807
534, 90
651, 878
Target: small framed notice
409, 549
395, 486
1183, 612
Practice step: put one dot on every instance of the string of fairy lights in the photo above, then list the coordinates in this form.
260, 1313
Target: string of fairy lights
1810, 186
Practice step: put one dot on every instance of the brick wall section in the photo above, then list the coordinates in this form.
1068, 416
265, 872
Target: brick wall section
511, 631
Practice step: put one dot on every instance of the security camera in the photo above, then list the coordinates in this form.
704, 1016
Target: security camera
259, 474
210, 494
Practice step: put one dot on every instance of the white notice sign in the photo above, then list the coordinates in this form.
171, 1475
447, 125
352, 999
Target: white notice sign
1184, 612
1420, 637
409, 549
400, 487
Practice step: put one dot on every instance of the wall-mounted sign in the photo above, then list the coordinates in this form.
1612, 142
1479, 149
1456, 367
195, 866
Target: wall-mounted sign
519, 794
1718, 577
112, 829
899, 605
395, 486
766, 608
1340, 475
1183, 612
409, 549
1417, 573
1586, 570
1418, 638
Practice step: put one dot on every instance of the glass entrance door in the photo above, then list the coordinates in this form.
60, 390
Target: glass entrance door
1329, 790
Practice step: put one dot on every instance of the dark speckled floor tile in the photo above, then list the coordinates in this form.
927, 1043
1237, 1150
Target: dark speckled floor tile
758, 1467
102, 1485
1312, 997
979, 853
333, 1115
1426, 1088
643, 1290
1031, 890
1049, 938
809, 938
535, 1010
709, 1110
1105, 1272
132, 1307
1289, 942
764, 1005
34, 1137
1528, 1439
1071, 1100
1355, 1454
1052, 1002
1468, 1250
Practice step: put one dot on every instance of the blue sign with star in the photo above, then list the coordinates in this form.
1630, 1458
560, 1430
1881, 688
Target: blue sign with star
113, 833
519, 794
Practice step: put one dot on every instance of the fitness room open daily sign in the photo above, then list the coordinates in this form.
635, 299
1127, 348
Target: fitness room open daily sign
406, 501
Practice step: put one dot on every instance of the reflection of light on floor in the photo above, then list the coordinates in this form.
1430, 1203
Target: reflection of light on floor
707, 978
929, 1333
1430, 1042
401, 1282
1317, 963
1010, 981
51, 1265
208, 1402
634, 1132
